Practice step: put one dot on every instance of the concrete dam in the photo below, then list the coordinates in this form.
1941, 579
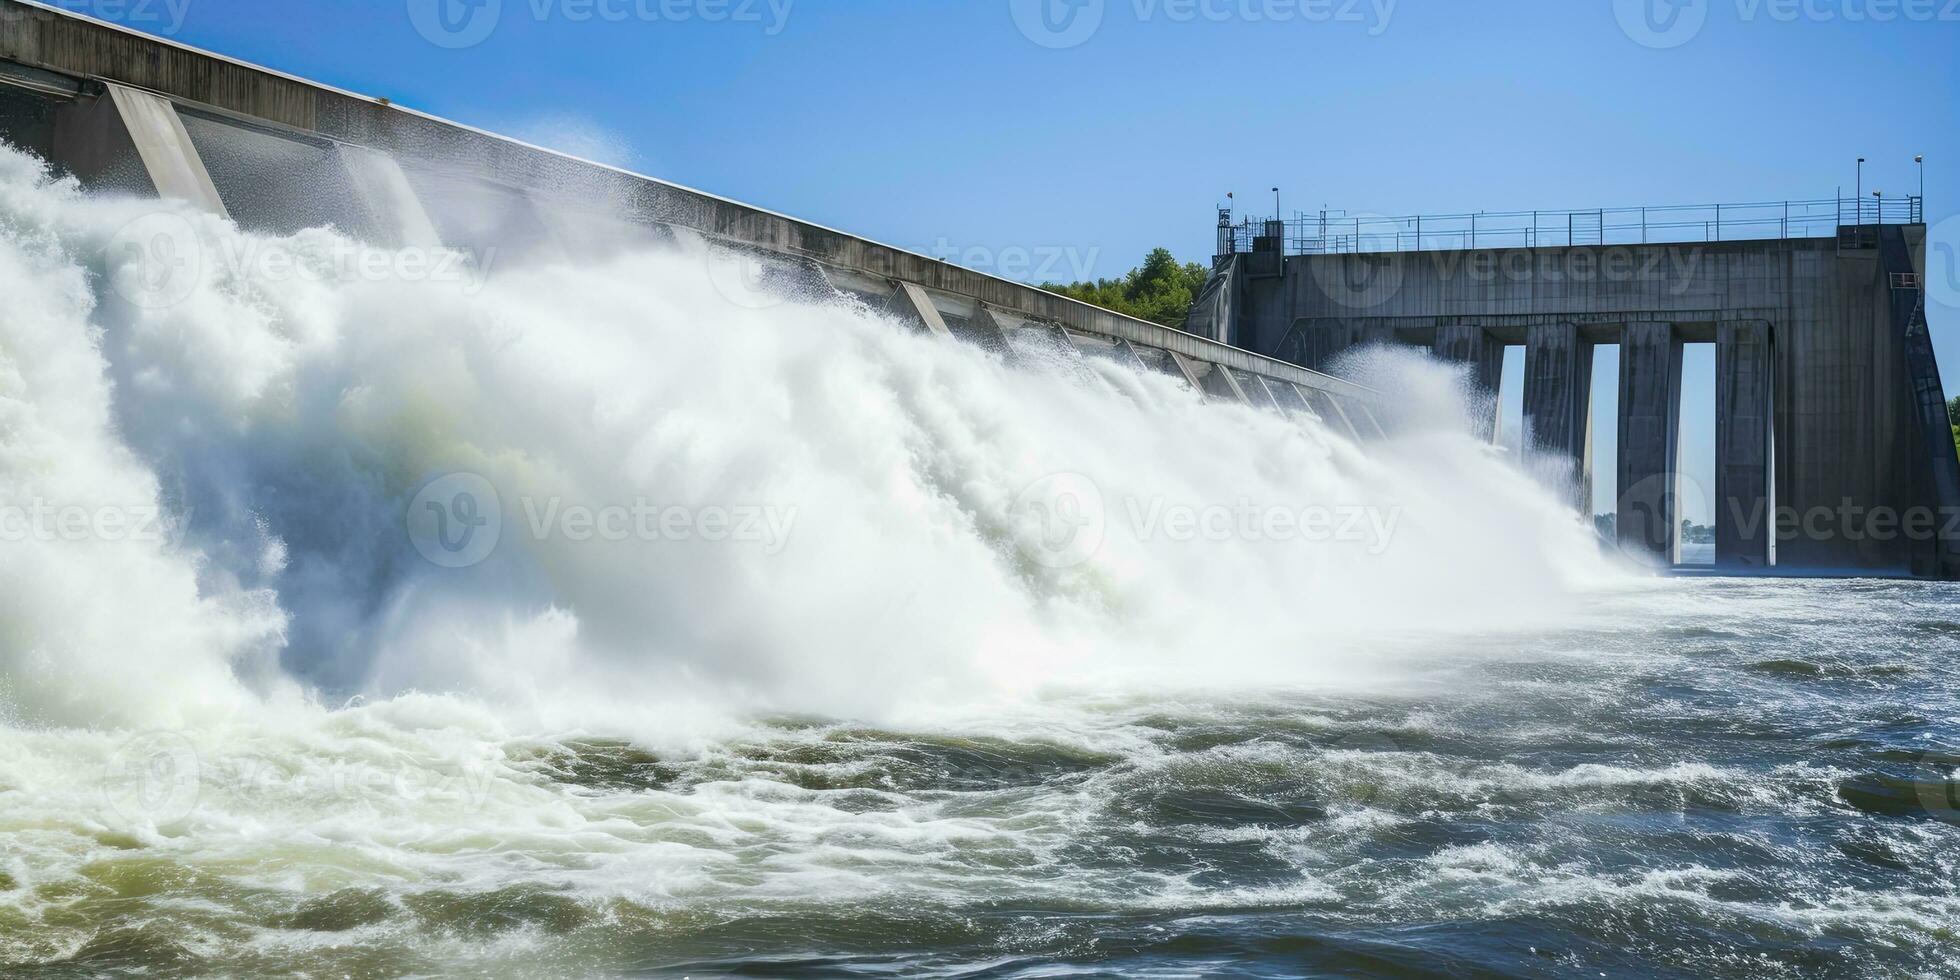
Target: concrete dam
1833, 450
125, 111
1830, 400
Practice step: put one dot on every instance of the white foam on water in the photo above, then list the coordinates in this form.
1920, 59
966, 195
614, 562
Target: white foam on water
337, 711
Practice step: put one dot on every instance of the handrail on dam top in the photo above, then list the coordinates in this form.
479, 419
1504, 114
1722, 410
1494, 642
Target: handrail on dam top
1335, 232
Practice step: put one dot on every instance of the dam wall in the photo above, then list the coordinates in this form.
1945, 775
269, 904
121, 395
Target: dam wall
1827, 444
129, 112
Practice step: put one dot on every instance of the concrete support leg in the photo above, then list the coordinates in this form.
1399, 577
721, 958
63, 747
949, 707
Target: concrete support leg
1126, 353
1329, 409
1650, 440
1366, 419
989, 331
911, 303
1558, 368
1470, 344
1256, 393
1225, 385
1744, 518
95, 137
1188, 370
384, 191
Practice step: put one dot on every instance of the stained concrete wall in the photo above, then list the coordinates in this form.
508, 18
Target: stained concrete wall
1558, 369
1841, 421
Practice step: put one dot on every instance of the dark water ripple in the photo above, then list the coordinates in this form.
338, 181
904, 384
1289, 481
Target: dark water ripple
1754, 780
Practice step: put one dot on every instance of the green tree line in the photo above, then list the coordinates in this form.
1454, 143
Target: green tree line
1953, 419
1160, 290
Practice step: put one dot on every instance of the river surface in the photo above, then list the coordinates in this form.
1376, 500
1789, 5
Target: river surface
1659, 791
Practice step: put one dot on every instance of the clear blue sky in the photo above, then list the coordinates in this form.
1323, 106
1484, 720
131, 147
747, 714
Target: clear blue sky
938, 125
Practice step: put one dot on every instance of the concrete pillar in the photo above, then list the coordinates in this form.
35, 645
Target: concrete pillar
1368, 422
1256, 394
1225, 385
1650, 441
1126, 353
989, 331
384, 191
1558, 367
911, 303
95, 138
1329, 409
1465, 343
1189, 372
1744, 515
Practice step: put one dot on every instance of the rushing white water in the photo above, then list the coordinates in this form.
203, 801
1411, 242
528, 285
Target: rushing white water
282, 421
256, 670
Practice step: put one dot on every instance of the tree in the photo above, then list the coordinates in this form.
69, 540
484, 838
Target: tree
1160, 290
1953, 420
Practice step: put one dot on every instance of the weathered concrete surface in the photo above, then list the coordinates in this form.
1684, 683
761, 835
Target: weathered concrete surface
1650, 441
1849, 455
1558, 369
1744, 516
1465, 343
516, 180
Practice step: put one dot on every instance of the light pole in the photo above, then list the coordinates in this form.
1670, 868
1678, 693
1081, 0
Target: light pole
1276, 215
1858, 196
1920, 159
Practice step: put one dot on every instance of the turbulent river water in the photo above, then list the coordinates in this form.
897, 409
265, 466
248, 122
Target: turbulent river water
633, 616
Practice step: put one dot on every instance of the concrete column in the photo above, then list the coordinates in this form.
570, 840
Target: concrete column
94, 137
1469, 344
384, 191
1224, 384
1558, 368
1189, 372
1256, 392
1744, 516
1126, 353
911, 303
1650, 441
1329, 409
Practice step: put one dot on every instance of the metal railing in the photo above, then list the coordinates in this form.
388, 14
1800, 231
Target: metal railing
1336, 232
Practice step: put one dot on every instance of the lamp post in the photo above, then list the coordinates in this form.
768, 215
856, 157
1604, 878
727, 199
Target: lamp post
1858, 196
1920, 159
